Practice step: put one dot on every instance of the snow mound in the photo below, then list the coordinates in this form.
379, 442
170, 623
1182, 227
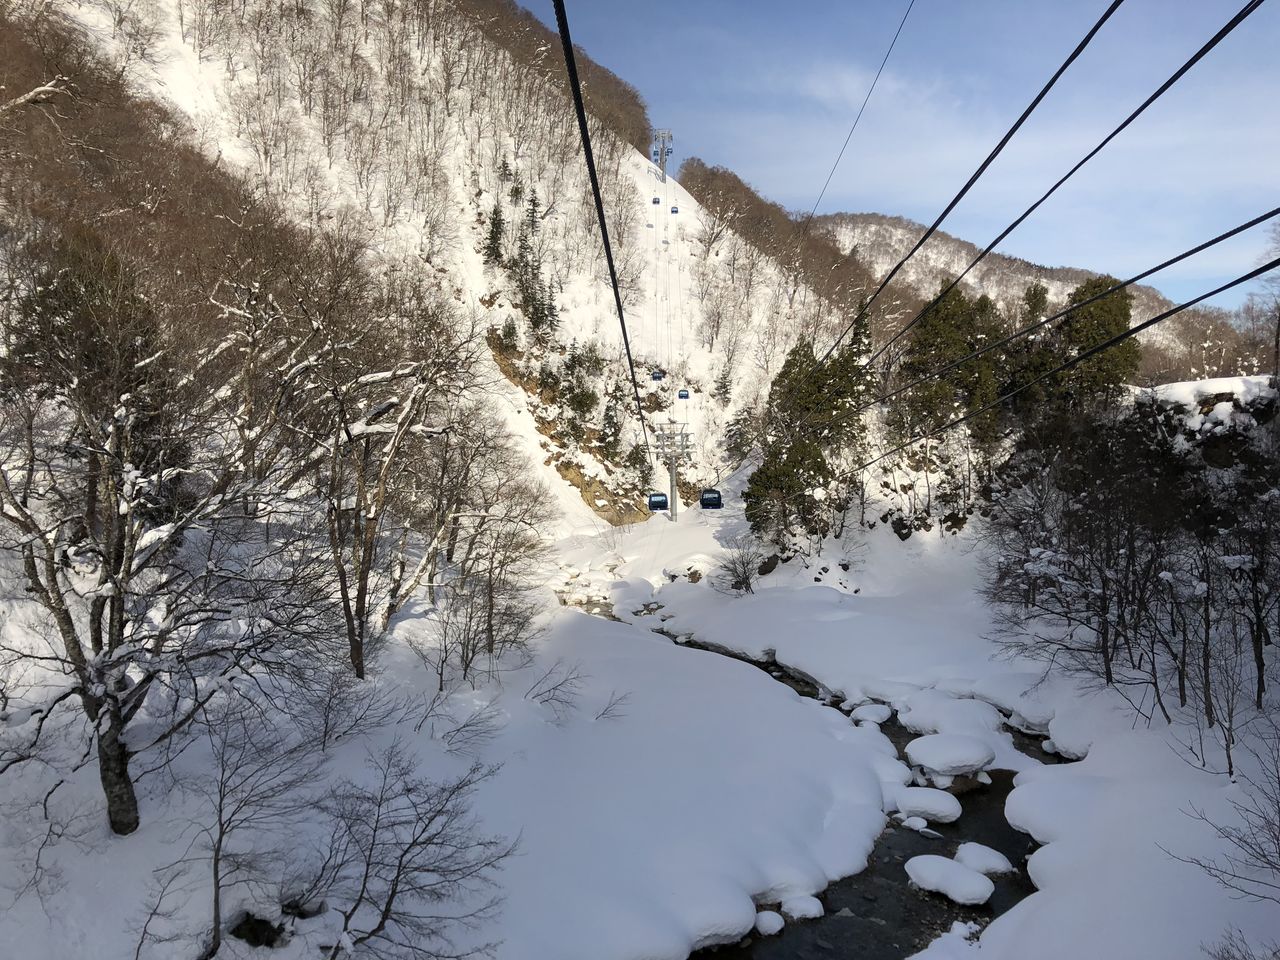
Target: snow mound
768, 923
932, 711
975, 856
1194, 392
935, 805
958, 943
950, 754
1019, 694
802, 908
953, 880
874, 712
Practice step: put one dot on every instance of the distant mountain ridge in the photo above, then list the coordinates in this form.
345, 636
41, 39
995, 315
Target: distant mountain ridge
880, 241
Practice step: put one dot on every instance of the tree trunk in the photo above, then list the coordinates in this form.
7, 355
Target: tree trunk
113, 767
1206, 677
1275, 352
1257, 633
1104, 632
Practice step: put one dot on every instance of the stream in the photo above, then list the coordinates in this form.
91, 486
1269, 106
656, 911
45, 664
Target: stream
878, 914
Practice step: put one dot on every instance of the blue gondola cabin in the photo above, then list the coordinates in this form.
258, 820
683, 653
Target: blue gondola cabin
658, 375
657, 200
657, 501
675, 209
710, 499
683, 394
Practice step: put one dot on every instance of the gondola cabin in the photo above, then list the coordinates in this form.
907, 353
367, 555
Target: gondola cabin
656, 201
709, 500
683, 394
657, 501
658, 375
675, 209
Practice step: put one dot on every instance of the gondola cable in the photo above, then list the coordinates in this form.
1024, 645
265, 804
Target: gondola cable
1046, 321
982, 168
571, 67
1177, 75
804, 227
1075, 361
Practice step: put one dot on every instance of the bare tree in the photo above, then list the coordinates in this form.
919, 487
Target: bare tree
1235, 946
46, 92
740, 564
260, 782
1250, 864
405, 864
127, 515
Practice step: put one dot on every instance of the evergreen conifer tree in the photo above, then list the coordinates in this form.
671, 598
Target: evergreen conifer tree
533, 212
723, 388
611, 422
939, 339
798, 420
1100, 378
497, 231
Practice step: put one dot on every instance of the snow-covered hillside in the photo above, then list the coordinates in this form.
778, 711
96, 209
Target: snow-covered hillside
443, 130
439, 129
881, 241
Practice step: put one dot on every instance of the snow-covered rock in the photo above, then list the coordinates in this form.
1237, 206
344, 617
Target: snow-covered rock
874, 712
802, 908
934, 711
950, 754
937, 806
975, 856
953, 880
768, 923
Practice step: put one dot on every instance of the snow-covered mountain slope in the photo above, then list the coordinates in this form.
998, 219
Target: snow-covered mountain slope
417, 132
880, 241
413, 132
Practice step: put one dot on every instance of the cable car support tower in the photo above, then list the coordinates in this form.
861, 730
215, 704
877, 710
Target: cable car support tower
662, 140
674, 446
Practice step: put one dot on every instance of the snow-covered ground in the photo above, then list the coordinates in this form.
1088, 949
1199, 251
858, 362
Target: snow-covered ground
711, 790
644, 831
905, 626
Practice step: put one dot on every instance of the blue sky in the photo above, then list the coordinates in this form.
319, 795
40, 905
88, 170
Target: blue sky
771, 95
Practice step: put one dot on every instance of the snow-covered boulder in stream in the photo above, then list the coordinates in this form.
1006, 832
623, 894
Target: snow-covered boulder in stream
953, 880
978, 857
768, 923
937, 806
872, 712
802, 908
950, 754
